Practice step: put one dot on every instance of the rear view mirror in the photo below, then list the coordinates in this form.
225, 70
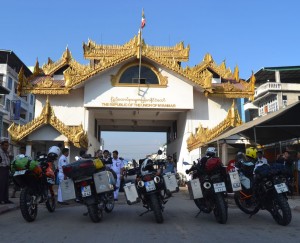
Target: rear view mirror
159, 152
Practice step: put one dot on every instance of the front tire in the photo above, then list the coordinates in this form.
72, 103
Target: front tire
28, 204
281, 210
155, 206
51, 202
95, 213
220, 210
246, 202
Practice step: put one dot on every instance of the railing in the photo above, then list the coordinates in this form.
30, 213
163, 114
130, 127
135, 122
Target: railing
267, 87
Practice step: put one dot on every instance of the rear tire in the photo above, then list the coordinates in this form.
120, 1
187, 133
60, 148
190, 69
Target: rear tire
246, 203
95, 213
281, 210
110, 204
156, 208
220, 210
28, 206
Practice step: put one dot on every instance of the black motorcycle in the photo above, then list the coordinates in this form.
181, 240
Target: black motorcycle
151, 188
93, 187
268, 192
212, 190
36, 187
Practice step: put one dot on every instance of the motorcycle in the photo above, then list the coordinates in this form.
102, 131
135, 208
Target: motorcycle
36, 179
268, 191
207, 188
93, 186
152, 187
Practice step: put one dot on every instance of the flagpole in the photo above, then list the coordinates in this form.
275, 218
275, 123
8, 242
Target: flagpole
140, 56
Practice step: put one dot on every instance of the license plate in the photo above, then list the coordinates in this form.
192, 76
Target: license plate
150, 186
20, 172
220, 187
280, 188
86, 191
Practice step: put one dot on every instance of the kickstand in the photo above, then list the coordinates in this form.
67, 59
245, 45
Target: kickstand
198, 214
145, 212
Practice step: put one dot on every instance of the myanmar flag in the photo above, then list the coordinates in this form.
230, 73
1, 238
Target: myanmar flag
143, 23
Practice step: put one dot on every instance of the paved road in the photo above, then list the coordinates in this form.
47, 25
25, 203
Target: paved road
67, 224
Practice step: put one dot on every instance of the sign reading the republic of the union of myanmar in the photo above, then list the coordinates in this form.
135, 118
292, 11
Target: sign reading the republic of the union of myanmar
138, 102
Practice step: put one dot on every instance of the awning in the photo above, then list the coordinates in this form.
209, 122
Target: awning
280, 125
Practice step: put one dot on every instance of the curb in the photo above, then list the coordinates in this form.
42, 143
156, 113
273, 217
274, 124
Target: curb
7, 208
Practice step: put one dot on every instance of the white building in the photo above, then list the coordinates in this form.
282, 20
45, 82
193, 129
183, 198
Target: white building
13, 108
276, 87
131, 87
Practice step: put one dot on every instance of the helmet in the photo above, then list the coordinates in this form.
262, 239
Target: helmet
251, 152
211, 151
53, 153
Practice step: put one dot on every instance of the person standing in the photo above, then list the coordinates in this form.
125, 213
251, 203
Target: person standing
16, 187
4, 172
170, 165
118, 168
261, 160
63, 160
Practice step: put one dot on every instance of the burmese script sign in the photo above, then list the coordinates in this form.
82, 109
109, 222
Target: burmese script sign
138, 102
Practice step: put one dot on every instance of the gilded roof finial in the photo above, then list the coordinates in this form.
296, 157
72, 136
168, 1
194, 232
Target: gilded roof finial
252, 85
236, 73
36, 69
49, 61
67, 54
208, 58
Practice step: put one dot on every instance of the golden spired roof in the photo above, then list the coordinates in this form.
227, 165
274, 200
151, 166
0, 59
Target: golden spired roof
75, 134
103, 57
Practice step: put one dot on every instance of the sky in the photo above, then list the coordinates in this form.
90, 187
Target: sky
250, 33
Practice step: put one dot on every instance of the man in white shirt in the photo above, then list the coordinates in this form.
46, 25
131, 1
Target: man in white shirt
260, 160
118, 167
63, 160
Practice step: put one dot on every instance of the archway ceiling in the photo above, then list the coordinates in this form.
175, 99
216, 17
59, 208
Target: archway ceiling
135, 119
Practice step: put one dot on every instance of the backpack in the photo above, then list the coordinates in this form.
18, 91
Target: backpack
212, 164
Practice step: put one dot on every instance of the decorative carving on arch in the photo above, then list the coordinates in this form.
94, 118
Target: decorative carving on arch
75, 134
204, 135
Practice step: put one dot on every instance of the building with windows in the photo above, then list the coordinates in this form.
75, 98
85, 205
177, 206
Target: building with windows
13, 108
275, 88
131, 87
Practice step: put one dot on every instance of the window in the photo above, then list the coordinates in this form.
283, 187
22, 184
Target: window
9, 83
31, 99
7, 107
131, 76
4, 130
1, 79
30, 116
16, 87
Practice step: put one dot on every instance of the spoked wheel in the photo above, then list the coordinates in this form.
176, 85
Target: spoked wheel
51, 202
110, 203
281, 210
95, 213
246, 202
155, 205
221, 209
28, 204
